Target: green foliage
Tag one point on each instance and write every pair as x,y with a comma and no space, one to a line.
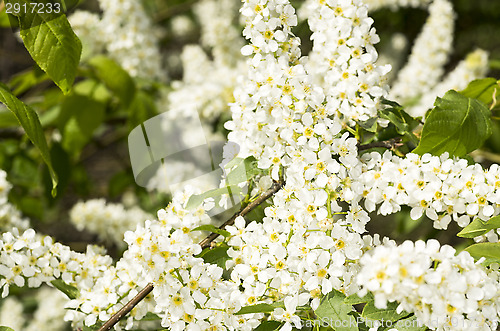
217,255
478,227
260,308
483,90
333,308
5,328
387,314
490,251
114,77
212,228
30,122
268,326
245,169
70,291
84,115
410,324
51,43
457,125
402,121
354,299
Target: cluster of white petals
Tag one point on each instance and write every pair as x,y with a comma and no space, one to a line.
291,113
126,33
429,54
445,290
442,188
108,220
474,66
30,259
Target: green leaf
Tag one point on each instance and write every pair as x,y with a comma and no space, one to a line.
482,90
141,109
70,291
196,200
30,122
114,77
354,299
401,120
212,228
84,116
478,227
457,125
217,255
51,43
490,251
409,324
5,328
388,314
243,171
269,326
332,308
7,119
259,308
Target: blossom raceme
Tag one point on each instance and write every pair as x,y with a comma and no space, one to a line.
445,291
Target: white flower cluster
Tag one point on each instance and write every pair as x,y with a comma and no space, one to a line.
342,61
87,27
108,220
218,31
11,313
442,188
50,312
445,291
127,34
28,259
207,84
104,296
429,54
473,67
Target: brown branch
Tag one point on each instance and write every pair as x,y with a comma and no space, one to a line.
277,185
391,143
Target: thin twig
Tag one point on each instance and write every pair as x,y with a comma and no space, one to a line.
277,185
127,308
391,143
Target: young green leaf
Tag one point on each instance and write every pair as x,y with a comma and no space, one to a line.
478,227
243,171
217,255
268,326
490,251
212,228
354,299
333,308
84,116
51,42
457,125
259,308
387,314
114,77
482,90
5,328
70,291
30,122
409,324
